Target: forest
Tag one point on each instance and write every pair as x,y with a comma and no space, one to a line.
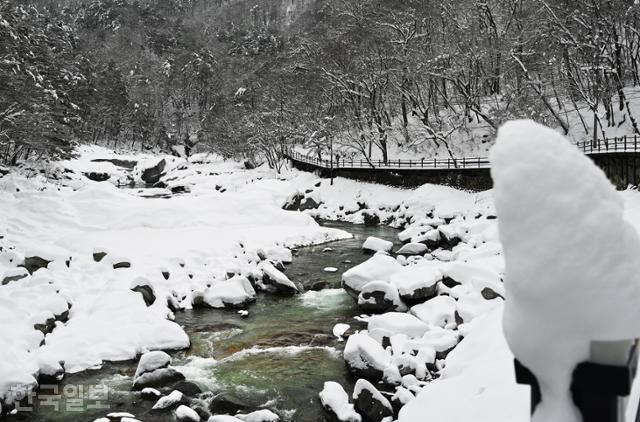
249,79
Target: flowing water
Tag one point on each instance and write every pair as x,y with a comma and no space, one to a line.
279,356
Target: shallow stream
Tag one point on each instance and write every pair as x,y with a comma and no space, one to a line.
279,356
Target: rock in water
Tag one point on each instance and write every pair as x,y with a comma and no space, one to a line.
413,249
365,357
263,415
153,174
374,244
378,267
370,402
228,404
336,401
186,414
572,271
280,281
417,283
380,296
170,401
154,371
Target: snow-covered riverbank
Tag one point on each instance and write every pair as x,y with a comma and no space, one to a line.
212,244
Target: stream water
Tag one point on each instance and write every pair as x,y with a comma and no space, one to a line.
279,356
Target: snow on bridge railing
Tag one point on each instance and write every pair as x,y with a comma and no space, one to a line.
621,144
625,143
423,164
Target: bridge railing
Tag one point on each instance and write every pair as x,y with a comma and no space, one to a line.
611,145
601,146
433,163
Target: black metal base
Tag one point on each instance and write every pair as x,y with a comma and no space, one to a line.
595,388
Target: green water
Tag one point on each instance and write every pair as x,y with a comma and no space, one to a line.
279,356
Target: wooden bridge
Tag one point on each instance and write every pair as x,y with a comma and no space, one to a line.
619,157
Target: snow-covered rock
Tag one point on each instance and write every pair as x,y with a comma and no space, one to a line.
374,244
186,414
151,361
232,293
378,267
439,311
391,323
379,297
365,357
370,402
264,415
417,283
413,249
170,401
153,371
336,401
279,280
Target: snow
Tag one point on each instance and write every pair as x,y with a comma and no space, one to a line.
439,311
263,415
235,291
585,264
378,267
278,278
169,400
196,237
363,384
397,323
185,413
334,397
376,244
479,373
414,277
340,329
151,361
363,352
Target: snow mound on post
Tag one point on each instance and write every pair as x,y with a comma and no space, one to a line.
572,270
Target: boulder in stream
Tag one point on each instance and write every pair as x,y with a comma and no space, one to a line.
336,401
369,402
374,244
380,296
154,371
277,279
153,174
186,414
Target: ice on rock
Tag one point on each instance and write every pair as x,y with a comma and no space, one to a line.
392,323
375,244
572,270
439,311
336,401
378,267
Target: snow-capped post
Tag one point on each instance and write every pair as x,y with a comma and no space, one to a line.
572,276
